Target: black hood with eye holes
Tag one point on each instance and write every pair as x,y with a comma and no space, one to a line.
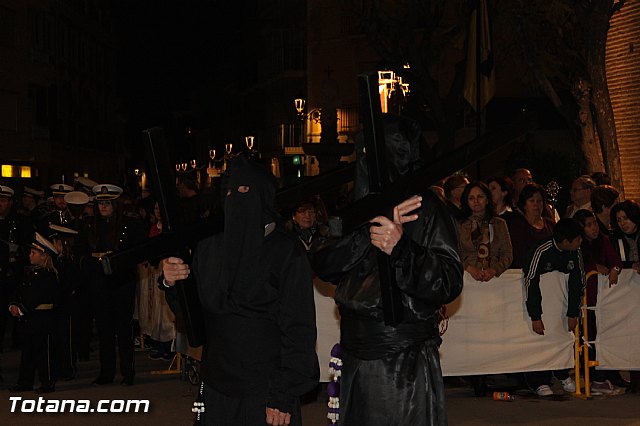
246,214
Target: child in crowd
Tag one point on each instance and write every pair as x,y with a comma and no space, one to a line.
598,255
33,306
559,253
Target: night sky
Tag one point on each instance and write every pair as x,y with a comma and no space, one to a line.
167,49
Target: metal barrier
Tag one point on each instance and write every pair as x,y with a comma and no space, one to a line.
581,346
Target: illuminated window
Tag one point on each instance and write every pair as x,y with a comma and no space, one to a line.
25,171
7,170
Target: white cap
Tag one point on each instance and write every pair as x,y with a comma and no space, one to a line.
40,243
76,197
86,183
107,191
61,230
32,192
58,189
5,191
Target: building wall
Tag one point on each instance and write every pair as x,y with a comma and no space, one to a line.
57,88
623,75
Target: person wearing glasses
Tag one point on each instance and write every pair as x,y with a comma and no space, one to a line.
580,195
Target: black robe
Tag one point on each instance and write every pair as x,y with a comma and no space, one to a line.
391,375
260,345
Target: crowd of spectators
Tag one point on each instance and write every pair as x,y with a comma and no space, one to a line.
509,222
501,224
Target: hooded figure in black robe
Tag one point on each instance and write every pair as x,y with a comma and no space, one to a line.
391,375
254,282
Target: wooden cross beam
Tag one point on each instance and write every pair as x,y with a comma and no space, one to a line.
180,235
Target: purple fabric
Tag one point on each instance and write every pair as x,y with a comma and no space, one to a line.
525,238
598,252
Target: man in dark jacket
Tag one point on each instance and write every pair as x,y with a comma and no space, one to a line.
254,282
391,375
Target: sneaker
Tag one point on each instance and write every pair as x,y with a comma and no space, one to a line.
568,385
168,356
544,390
155,355
606,388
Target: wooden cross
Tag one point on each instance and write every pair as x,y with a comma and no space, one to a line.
380,202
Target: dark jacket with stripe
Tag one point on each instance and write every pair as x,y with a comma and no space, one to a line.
548,257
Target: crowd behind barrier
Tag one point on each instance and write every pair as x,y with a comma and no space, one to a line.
489,330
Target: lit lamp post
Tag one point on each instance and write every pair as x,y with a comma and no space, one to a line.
211,170
249,141
300,103
228,148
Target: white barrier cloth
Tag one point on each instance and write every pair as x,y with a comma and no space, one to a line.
489,330
618,322
327,324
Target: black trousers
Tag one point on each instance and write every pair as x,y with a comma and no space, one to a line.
113,307
223,410
63,350
35,355
82,321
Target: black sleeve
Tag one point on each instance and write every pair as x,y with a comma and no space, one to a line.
430,270
298,372
335,258
532,273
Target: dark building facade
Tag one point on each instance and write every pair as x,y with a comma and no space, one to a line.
58,104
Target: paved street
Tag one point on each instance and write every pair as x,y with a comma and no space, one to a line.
170,402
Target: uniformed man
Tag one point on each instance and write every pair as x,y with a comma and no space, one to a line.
81,307
69,279
60,214
112,295
15,234
31,204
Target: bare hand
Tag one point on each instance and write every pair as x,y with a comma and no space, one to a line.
401,211
488,274
538,327
174,269
613,277
386,236
277,417
476,273
572,322
14,310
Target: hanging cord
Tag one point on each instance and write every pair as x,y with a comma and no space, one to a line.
333,388
443,320
198,406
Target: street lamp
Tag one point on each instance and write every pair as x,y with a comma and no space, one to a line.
249,141
300,103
